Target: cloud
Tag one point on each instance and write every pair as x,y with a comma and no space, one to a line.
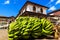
50,2
58,1
52,8
7,2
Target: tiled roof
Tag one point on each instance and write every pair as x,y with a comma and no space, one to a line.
54,11
6,17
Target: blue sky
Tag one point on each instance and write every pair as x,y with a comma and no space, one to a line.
12,7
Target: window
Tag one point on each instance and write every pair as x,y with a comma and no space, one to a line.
34,9
41,10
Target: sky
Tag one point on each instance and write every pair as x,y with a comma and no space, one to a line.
11,7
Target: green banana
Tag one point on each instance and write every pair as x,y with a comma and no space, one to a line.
10,39
25,27
45,31
25,33
48,26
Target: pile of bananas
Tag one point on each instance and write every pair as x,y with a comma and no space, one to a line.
27,27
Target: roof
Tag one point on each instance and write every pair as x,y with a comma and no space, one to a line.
54,11
35,4
32,3
6,17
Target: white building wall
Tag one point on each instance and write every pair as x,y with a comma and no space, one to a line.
4,23
38,10
30,8
44,11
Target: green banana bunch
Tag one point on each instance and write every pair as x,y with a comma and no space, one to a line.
27,27
47,27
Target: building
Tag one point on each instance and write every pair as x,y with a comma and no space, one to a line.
5,21
55,13
4,25
33,9
55,17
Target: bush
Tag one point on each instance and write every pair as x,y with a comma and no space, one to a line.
29,27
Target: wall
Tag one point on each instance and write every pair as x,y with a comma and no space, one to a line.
30,8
